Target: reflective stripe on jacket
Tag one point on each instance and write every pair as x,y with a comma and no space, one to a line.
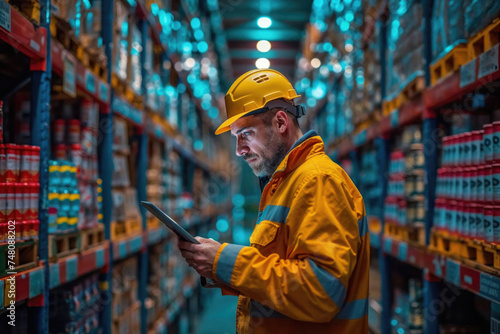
307,268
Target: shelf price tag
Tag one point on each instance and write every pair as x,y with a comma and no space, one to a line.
69,76
468,73
489,287
488,62
495,318
403,251
469,278
103,91
5,15
395,118
89,82
453,272
387,245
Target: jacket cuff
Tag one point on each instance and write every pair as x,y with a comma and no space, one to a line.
209,283
224,262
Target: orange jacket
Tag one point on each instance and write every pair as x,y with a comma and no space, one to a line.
307,268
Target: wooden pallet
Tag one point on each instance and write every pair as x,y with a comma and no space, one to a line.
25,257
30,9
484,40
91,62
62,32
412,90
485,254
416,234
125,229
449,63
152,223
396,232
125,90
64,244
92,237
446,244
389,106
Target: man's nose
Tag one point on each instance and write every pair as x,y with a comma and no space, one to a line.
241,148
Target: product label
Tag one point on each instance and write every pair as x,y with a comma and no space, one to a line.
480,187
69,78
474,152
5,15
472,183
496,186
488,147
468,73
450,220
488,228
480,226
496,145
488,62
472,225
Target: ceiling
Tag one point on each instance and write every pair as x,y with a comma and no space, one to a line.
289,19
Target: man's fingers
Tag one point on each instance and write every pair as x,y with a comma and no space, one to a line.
184,245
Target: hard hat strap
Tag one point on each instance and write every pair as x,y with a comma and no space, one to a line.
297,111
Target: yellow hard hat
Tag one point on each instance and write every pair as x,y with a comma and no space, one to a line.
253,91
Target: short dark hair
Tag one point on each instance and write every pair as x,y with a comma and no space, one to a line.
267,116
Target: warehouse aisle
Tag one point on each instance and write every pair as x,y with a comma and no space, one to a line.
220,312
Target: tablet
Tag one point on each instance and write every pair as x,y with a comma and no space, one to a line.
169,222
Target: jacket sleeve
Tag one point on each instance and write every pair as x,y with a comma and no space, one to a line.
225,290
310,284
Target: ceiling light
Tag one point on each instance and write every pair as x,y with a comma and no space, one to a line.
263,46
262,63
190,62
264,22
315,62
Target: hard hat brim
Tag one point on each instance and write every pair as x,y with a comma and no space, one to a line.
226,126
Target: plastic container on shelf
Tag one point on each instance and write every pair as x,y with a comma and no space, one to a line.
488,223
477,138
35,164
496,141
12,163
73,132
488,143
60,152
59,131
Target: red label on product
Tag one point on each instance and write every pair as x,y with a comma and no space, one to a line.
35,164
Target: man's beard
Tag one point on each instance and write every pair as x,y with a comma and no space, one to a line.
268,164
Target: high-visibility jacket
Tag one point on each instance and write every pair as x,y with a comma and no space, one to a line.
307,268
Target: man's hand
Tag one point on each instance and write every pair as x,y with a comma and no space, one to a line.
200,256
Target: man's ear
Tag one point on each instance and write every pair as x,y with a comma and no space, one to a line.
282,121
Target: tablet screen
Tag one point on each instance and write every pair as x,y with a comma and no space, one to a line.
169,222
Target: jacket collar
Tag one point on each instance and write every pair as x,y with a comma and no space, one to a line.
309,144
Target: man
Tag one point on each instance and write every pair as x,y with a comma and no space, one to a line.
306,270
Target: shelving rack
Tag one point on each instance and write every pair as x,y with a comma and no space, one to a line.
424,109
46,55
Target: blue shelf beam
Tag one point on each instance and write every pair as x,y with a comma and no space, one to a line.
40,135
106,163
142,167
